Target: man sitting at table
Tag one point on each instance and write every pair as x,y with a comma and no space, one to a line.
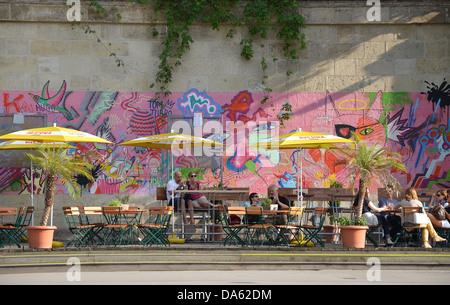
283,203
178,184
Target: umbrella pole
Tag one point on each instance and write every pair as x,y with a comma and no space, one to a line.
173,196
32,193
301,178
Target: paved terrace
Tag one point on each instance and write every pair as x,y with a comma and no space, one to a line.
213,256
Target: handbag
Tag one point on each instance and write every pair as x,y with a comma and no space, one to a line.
420,218
438,213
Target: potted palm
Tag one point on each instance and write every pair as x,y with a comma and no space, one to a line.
55,162
366,163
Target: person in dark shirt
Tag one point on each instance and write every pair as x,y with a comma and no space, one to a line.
283,202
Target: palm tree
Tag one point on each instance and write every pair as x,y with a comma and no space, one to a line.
368,163
57,162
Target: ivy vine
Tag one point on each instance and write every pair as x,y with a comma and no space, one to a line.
258,16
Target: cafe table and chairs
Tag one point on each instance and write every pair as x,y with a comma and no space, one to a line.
213,195
121,225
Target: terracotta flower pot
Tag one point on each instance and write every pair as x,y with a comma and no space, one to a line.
40,236
218,232
354,236
331,231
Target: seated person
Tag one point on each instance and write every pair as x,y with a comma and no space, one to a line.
439,198
198,200
178,184
173,185
283,203
442,223
254,202
368,211
394,221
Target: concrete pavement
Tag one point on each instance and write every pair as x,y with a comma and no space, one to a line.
213,256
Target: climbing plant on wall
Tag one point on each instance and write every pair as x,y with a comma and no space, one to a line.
259,17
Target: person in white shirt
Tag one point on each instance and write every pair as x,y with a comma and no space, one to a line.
179,184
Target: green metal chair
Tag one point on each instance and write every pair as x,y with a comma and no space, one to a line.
258,232
410,234
9,231
95,236
155,231
80,231
444,233
311,232
116,226
370,234
290,231
232,227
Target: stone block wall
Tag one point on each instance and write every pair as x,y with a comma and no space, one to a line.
345,50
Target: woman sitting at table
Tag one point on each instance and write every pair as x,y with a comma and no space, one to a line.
411,200
445,223
198,199
374,219
254,202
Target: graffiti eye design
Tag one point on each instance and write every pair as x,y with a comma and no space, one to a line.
366,131
265,127
344,130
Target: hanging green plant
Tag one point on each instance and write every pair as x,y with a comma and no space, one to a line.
258,16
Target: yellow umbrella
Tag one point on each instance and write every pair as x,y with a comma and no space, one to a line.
301,140
170,141
31,145
53,134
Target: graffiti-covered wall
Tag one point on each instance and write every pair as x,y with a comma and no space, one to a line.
414,124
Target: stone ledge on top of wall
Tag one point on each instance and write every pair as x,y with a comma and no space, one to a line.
314,11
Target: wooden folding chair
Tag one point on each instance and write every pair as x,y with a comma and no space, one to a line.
410,234
258,232
80,231
95,236
26,220
312,231
155,231
370,234
116,226
232,227
290,231
9,231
